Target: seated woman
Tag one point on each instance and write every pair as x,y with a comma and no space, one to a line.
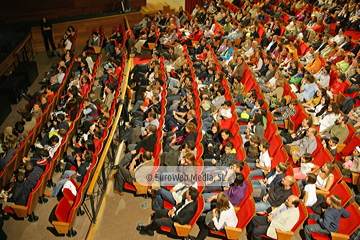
328,118
179,142
306,166
255,126
221,216
315,100
235,193
324,179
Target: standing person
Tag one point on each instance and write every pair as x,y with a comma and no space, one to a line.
46,31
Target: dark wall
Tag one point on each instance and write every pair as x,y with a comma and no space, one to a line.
32,10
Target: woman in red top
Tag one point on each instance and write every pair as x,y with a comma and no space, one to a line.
84,85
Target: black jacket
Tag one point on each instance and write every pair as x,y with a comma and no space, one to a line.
187,213
147,143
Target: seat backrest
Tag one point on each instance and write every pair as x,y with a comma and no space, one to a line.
33,198
349,148
342,190
322,157
235,129
240,154
248,193
62,210
351,132
275,144
348,225
319,146
246,170
296,189
199,210
302,217
270,131
337,176
280,156
74,210
246,213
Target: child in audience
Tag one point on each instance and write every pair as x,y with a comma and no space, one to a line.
310,190
339,86
306,167
348,162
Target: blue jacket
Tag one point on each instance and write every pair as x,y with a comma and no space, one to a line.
331,218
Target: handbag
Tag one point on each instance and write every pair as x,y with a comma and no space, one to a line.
209,220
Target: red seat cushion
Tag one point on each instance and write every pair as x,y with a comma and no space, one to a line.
129,187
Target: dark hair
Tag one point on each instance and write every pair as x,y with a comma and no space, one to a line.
54,139
229,145
228,103
335,140
239,179
258,119
260,101
193,192
90,145
239,164
44,153
190,145
147,155
345,118
88,156
296,203
265,144
27,116
61,116
98,134
311,178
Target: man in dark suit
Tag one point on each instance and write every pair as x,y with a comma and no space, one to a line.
319,47
182,213
346,45
148,142
272,45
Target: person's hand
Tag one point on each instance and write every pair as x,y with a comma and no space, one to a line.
133,152
54,122
214,212
293,152
265,198
213,162
257,165
209,199
172,190
270,218
74,175
171,212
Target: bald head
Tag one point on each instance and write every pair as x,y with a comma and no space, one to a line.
292,201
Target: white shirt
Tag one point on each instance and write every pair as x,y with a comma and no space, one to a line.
306,167
60,77
223,112
68,44
311,189
322,79
265,160
328,121
249,52
208,33
322,182
227,218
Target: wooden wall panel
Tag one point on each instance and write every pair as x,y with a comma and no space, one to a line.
25,10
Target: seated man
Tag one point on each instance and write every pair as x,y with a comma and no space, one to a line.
182,213
283,113
308,144
174,195
276,195
283,218
94,41
339,130
148,143
331,145
41,160
137,172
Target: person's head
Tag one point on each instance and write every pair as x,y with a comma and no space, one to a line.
307,122
306,158
190,146
27,117
334,108
29,167
292,201
311,178
333,141
54,140
311,132
282,167
190,158
151,128
237,166
225,134
264,146
222,202
191,194
239,179
215,128
288,181
190,127
334,201
293,104
229,146
255,140
328,168
98,135
146,156
60,117
11,142
44,153
87,156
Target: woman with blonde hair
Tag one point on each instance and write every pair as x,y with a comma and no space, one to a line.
221,216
